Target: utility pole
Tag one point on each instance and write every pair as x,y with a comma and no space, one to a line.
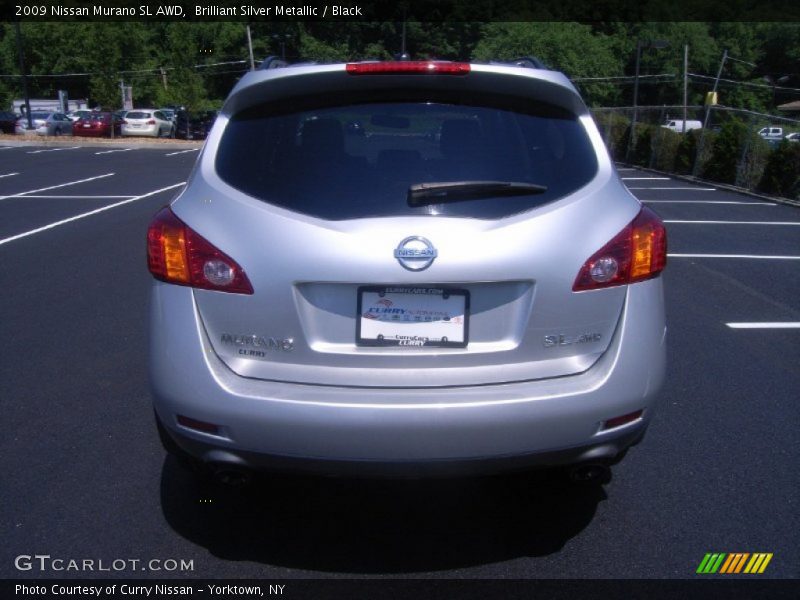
632,139
639,45
250,49
403,42
21,54
163,76
685,85
708,113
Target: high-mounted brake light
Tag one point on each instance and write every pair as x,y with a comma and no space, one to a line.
177,254
636,253
408,67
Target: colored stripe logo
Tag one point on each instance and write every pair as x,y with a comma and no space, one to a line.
735,562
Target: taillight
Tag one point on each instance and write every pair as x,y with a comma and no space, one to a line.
151,122
408,67
177,254
124,122
621,420
198,425
636,253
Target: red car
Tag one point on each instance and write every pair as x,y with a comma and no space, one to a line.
98,124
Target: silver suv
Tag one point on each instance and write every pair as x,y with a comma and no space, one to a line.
405,267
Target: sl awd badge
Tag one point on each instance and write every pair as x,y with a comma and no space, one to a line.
415,253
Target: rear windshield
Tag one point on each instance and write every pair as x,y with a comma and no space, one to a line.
359,160
137,115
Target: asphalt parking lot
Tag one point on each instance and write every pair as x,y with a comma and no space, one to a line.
84,476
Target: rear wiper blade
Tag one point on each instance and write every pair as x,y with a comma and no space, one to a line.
421,194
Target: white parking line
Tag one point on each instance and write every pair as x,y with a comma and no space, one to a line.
110,151
9,175
81,197
182,152
753,256
90,213
53,150
52,187
795,223
645,179
776,325
693,189
625,169
8,147
707,202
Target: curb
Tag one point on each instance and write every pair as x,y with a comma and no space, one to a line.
106,143
722,186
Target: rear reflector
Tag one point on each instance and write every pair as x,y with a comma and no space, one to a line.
636,253
408,67
617,421
177,254
198,425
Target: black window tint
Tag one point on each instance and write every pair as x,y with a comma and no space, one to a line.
358,160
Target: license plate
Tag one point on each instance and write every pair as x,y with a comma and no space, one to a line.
412,317
86,125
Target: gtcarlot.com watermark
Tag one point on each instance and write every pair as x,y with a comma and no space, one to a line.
40,563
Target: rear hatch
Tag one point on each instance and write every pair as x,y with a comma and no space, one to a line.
305,182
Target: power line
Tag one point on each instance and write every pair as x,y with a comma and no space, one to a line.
746,83
630,77
156,70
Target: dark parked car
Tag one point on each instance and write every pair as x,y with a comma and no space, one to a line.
194,125
97,124
8,121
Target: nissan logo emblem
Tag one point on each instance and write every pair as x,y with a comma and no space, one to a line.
415,253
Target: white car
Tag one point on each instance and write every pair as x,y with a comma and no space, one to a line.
147,122
792,137
46,123
771,133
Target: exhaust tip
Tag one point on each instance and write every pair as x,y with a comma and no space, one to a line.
231,476
590,474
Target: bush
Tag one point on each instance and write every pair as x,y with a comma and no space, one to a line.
685,152
725,153
644,145
750,171
665,148
782,172
614,128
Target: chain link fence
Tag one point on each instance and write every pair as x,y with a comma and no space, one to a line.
737,147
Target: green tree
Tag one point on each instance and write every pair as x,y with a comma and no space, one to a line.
569,47
782,173
725,153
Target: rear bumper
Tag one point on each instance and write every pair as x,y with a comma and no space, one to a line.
275,425
147,132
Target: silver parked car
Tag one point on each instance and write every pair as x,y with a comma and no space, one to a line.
147,122
46,123
465,286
